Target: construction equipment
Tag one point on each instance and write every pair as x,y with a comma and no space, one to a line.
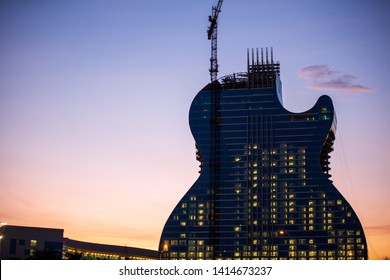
212,35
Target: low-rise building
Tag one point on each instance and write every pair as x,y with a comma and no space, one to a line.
21,242
95,251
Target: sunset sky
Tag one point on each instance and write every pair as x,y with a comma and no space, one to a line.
95,94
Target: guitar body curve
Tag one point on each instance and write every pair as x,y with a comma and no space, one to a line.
264,191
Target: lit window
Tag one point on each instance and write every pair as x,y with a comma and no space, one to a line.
33,243
183,224
350,240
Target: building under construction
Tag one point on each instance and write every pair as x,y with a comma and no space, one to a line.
264,190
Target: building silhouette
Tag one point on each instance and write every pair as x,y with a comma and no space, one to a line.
264,190
25,242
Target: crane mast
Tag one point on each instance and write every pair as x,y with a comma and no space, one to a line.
212,35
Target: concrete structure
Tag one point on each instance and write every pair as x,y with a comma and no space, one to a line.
95,251
21,242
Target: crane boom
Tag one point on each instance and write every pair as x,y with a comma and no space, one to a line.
212,35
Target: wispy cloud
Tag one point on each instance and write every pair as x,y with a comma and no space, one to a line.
378,229
322,77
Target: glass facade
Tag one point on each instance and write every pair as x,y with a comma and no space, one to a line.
264,190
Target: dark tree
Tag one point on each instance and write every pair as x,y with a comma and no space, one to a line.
46,254
73,255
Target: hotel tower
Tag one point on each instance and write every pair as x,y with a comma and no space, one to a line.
265,189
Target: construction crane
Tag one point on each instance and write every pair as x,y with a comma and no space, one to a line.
212,35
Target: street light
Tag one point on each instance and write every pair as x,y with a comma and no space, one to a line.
165,249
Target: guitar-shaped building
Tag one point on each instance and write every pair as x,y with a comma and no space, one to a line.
264,190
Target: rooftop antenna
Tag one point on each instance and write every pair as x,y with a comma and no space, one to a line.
212,35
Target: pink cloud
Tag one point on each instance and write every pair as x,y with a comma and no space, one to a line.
315,72
324,78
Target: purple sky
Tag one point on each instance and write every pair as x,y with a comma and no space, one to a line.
94,100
